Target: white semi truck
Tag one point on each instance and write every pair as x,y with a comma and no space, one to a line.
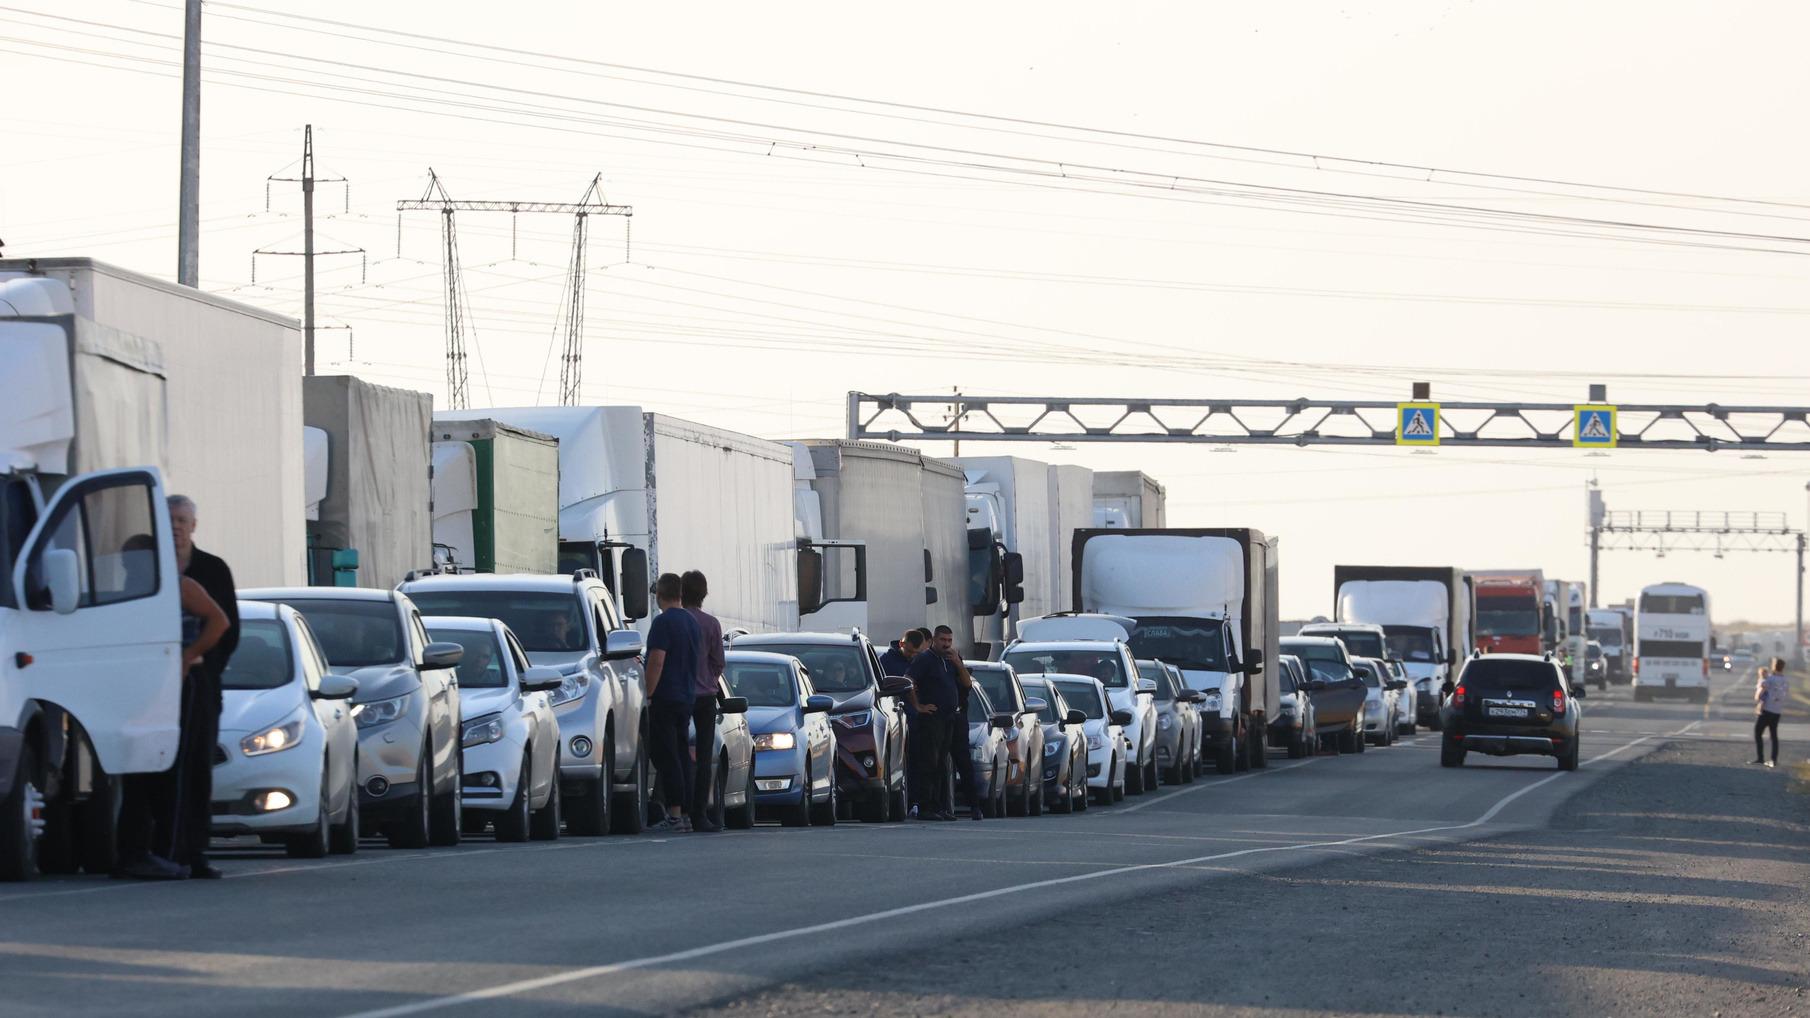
1022,517
1128,499
1427,617
115,381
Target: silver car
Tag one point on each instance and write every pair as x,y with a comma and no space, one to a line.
407,706
1178,742
732,789
570,623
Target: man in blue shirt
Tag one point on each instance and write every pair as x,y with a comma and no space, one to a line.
898,656
933,727
674,645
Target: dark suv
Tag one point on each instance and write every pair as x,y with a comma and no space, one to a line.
1511,704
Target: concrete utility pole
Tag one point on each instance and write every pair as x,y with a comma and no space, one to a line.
188,220
308,249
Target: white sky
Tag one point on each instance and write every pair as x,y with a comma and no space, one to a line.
768,280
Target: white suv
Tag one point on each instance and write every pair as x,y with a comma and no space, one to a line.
1095,645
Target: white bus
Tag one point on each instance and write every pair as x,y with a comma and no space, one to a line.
1672,642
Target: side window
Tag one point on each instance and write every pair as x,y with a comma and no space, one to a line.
515,651
804,682
600,618
314,663
607,619
112,528
418,635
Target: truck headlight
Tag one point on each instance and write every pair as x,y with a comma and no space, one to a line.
274,739
481,731
381,712
572,687
774,740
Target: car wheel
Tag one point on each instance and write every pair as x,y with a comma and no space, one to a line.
799,815
1359,743
897,807
591,813
629,809
742,817
718,807
1450,753
343,839
448,807
21,817
313,844
512,823
411,831
827,812
544,826
1035,806
1568,759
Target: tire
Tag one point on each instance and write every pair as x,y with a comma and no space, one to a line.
1568,760
1358,742
1118,790
97,826
591,814
1035,806
313,844
717,809
742,817
342,838
411,831
1450,754
799,815
18,838
1134,779
447,809
877,808
1436,723
629,809
827,812
512,823
544,825
1225,755
897,805
1020,805
1298,745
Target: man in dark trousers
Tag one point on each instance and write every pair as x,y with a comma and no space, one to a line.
693,588
673,648
194,784
935,700
959,755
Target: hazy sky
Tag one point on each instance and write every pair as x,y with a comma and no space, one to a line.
789,247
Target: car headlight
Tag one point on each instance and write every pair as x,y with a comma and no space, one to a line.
1210,701
858,719
1096,742
381,712
572,686
1164,721
1052,748
775,740
480,731
274,739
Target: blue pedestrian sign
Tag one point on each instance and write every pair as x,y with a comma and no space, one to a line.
1593,426
1417,424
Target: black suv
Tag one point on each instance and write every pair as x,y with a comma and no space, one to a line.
1508,705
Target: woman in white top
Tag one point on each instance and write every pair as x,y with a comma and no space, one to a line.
1769,703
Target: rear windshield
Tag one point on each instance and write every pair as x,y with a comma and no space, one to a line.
1672,604
1535,676
997,686
1357,644
482,665
1104,665
1083,698
354,634
262,660
544,621
1671,648
764,685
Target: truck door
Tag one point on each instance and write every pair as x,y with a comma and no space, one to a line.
99,627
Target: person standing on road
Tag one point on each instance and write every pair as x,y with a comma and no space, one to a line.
693,588
673,648
934,700
960,756
1769,702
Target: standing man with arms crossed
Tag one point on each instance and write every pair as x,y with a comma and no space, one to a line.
693,588
201,696
673,648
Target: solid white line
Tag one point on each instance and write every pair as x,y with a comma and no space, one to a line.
742,943
1166,796
1687,728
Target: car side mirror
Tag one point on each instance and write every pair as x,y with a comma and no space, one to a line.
541,680
818,704
1253,661
1075,717
1313,685
63,578
732,705
622,645
896,685
1036,705
1146,685
1397,684
1191,696
1121,718
1580,693
440,656
1003,721
335,687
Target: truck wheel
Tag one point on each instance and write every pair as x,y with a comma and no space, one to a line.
1225,756
21,820
631,806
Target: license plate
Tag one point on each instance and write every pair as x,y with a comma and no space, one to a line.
1508,712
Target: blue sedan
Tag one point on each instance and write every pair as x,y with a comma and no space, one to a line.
794,745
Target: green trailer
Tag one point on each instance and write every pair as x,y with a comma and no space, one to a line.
496,497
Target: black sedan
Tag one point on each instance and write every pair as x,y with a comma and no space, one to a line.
1509,705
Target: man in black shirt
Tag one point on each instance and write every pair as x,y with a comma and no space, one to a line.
959,755
932,727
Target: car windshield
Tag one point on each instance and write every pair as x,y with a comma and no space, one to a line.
1191,644
834,668
1084,698
482,665
1506,617
1604,636
998,687
1359,643
1104,665
765,685
262,660
354,634
544,621
1410,643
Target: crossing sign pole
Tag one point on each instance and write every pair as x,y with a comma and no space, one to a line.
1417,424
1593,426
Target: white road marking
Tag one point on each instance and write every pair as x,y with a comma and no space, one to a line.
1166,796
591,972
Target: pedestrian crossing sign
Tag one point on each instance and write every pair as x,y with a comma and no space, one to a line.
1417,424
1593,427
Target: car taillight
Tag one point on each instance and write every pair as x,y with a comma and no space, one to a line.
1458,697
1558,701
1637,667
1706,668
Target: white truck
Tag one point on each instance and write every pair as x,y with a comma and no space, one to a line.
1427,617
1030,510
643,493
1612,629
1205,600
375,464
907,510
1128,499
114,379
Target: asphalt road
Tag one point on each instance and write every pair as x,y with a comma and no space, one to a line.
1338,884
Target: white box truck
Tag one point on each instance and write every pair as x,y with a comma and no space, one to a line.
1205,600
1128,499
375,504
1427,617
1022,516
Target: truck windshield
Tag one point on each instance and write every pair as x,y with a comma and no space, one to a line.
1507,617
1084,698
834,668
1196,645
544,621
262,659
1101,664
1609,638
354,634
1410,643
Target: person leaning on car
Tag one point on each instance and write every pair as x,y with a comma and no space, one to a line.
935,699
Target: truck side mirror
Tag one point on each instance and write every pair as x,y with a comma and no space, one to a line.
929,567
810,581
930,595
634,583
63,579
1451,658
1253,661
1013,590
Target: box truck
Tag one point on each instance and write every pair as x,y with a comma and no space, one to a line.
1205,600
502,496
1513,614
1128,499
1610,629
1426,614
375,502
1022,516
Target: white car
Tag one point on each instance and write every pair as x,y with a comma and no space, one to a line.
286,766
1380,700
509,736
1407,707
1091,644
1105,728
